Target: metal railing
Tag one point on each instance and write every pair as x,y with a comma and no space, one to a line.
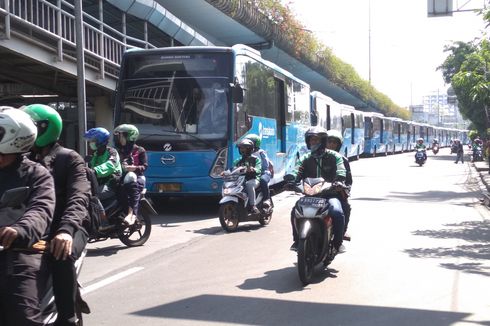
51,25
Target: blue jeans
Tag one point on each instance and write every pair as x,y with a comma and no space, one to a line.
264,185
337,214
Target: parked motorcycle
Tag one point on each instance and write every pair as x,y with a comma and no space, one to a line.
477,154
234,202
314,226
131,235
420,157
11,209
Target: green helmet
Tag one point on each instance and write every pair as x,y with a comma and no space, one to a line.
255,138
49,123
131,131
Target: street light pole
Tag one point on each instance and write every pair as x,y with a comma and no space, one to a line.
82,110
369,38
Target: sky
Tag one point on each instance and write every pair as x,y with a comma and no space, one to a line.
406,45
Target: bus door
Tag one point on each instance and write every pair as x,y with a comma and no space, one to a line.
280,115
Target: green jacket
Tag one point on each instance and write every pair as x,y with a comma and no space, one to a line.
251,161
330,166
106,166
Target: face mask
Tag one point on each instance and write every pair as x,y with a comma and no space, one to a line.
93,146
315,147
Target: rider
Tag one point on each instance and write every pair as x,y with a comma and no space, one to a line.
421,146
252,163
68,236
104,162
328,164
334,142
476,146
266,167
22,273
134,163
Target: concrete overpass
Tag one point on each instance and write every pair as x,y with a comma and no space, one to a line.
38,48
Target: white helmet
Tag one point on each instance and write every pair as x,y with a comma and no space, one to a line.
17,131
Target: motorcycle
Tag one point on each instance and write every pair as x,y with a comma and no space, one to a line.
11,204
477,154
314,226
435,148
234,202
420,157
132,235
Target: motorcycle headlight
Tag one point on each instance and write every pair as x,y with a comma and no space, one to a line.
311,191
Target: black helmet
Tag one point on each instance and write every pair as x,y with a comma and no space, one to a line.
246,147
318,132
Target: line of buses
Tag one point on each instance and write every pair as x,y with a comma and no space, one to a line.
193,104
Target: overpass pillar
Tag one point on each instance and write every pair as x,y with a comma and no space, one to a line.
103,113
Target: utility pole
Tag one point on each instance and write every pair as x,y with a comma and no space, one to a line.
369,38
82,110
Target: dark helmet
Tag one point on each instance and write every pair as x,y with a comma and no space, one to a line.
49,123
245,147
255,139
318,132
98,135
335,134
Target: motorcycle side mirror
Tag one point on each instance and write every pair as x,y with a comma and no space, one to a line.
289,178
14,197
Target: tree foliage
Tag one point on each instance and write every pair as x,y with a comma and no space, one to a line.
467,68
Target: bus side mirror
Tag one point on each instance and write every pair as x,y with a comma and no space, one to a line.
237,93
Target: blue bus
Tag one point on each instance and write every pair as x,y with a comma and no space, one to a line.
346,119
192,105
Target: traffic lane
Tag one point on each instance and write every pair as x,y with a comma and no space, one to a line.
179,221
249,277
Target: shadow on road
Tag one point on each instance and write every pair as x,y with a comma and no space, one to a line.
477,250
286,280
260,311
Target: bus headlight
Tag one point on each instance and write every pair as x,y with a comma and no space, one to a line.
219,164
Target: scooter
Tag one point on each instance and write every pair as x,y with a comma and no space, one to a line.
11,209
314,226
234,202
435,148
477,154
420,157
131,235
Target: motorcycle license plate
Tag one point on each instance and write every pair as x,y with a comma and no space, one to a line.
313,202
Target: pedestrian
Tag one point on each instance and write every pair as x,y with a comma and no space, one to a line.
459,151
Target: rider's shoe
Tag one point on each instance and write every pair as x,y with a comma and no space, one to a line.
254,210
294,246
130,219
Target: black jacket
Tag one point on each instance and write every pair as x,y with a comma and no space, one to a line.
72,189
36,219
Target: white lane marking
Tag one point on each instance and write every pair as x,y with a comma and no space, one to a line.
110,280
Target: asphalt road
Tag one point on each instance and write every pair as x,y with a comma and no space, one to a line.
419,255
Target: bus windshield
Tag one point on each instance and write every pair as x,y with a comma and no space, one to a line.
176,95
179,105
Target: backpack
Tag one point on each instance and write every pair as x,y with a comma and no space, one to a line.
95,208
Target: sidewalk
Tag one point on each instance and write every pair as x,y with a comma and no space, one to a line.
483,171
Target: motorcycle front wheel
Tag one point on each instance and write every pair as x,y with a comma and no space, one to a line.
138,233
306,259
229,216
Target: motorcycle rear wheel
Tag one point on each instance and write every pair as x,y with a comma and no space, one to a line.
229,216
306,259
138,233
